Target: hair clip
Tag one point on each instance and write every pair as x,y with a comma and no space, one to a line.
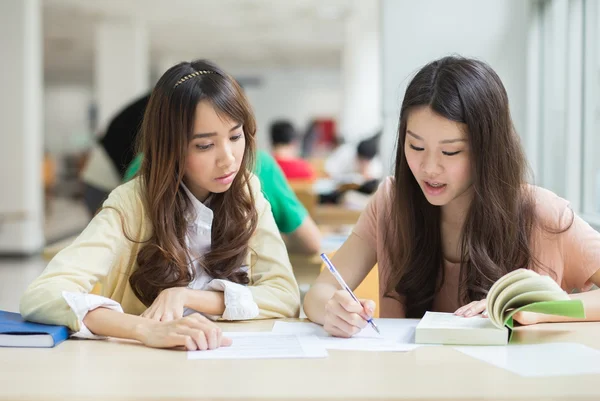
192,75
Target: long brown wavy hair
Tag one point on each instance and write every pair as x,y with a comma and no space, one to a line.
496,233
164,260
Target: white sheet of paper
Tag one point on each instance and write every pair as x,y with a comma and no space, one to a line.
396,335
264,345
538,360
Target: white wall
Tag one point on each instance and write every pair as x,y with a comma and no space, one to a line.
416,32
66,114
295,94
21,212
361,73
121,65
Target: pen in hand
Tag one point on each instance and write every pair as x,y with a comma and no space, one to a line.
341,281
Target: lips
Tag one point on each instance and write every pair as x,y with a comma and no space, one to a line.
433,188
434,184
224,177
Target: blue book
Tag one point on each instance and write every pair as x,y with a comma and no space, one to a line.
16,332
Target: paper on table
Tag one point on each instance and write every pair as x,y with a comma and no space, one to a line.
538,360
264,345
396,335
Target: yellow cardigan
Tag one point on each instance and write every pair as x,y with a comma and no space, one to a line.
102,259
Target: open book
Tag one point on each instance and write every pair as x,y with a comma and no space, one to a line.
520,290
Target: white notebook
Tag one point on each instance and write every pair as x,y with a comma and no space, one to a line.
519,290
447,328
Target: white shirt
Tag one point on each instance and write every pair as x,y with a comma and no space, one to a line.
99,171
239,303
342,165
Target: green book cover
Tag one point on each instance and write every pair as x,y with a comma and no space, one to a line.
569,308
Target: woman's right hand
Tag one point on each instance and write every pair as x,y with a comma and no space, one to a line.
194,332
344,317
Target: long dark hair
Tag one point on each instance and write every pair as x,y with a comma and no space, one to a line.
496,233
163,261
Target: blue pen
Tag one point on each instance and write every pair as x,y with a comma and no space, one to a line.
340,280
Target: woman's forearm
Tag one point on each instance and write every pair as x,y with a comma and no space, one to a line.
110,323
209,302
591,305
316,299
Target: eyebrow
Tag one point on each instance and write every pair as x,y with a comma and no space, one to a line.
444,141
209,134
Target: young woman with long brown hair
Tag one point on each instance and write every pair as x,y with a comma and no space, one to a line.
192,233
458,213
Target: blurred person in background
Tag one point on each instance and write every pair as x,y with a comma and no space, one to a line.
49,174
355,172
286,148
356,163
110,156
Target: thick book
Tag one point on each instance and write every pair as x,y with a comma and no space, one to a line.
521,290
16,332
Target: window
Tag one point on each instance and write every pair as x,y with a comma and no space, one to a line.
563,135
591,112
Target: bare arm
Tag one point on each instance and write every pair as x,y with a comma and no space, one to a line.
210,302
110,323
171,302
305,239
581,250
591,305
581,254
590,299
354,260
194,332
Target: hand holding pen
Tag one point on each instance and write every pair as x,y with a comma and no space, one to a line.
345,314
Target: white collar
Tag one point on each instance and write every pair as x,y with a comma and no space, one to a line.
200,213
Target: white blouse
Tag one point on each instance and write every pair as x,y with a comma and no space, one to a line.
239,303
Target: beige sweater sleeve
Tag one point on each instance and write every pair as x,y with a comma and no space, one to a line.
101,247
272,282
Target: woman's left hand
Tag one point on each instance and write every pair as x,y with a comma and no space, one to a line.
476,307
471,309
168,305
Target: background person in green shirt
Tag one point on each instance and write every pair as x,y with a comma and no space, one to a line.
299,230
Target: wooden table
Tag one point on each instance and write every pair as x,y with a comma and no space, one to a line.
335,215
118,370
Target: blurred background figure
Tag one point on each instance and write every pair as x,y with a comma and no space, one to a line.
112,154
285,146
354,172
356,163
49,174
320,138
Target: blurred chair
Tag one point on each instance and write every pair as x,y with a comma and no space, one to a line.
306,195
318,164
49,174
334,215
